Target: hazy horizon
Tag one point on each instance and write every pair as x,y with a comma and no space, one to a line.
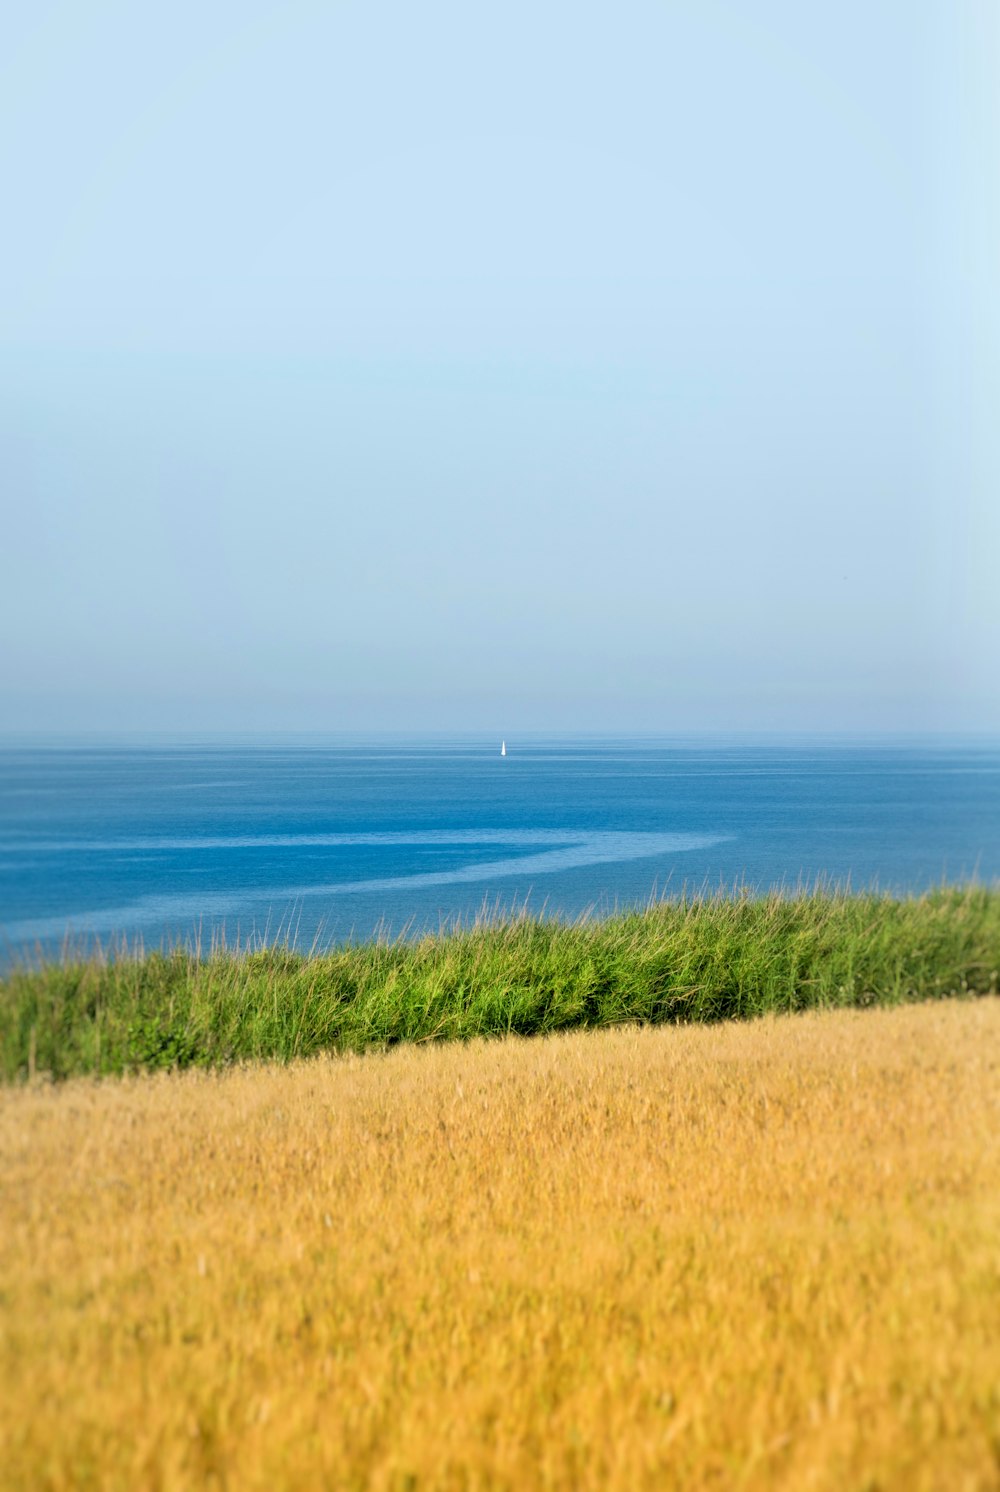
369,369
489,741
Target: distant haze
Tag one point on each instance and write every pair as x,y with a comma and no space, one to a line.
527,366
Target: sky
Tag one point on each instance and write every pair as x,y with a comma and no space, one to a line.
453,367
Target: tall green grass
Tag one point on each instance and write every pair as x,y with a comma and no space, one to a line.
696,959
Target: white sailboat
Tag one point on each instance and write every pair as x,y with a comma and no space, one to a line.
503,748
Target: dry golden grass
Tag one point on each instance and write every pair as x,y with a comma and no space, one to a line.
758,1256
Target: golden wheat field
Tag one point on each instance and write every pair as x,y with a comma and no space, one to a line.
763,1255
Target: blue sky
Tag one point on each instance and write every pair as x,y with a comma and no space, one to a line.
382,366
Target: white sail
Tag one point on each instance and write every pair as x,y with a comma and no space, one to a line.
503,748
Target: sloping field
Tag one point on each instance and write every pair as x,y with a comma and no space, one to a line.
705,958
761,1255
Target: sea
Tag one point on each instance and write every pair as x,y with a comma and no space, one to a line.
317,842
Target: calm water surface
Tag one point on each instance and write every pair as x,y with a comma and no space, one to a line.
335,841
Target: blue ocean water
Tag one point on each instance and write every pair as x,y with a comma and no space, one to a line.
327,842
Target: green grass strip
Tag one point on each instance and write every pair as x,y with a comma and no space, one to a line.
694,959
